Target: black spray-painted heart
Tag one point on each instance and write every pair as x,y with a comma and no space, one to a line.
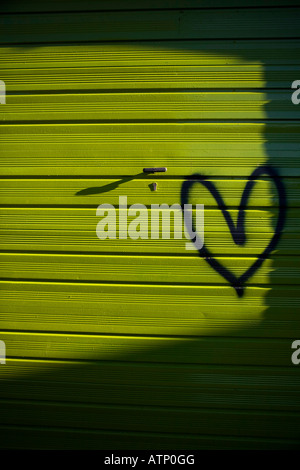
238,231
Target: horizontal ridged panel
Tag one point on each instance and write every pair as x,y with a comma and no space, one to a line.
60,219
243,423
241,53
159,106
142,269
187,133
93,192
189,376
76,5
63,229
125,149
132,25
205,350
27,437
156,385
166,77
148,395
260,221
220,244
137,309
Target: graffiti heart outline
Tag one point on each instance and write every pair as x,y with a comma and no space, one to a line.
238,231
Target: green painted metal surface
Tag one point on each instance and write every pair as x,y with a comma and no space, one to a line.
138,344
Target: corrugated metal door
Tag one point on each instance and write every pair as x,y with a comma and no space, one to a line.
124,343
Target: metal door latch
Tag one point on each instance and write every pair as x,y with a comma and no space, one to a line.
155,170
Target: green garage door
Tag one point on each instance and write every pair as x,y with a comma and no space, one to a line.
141,343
